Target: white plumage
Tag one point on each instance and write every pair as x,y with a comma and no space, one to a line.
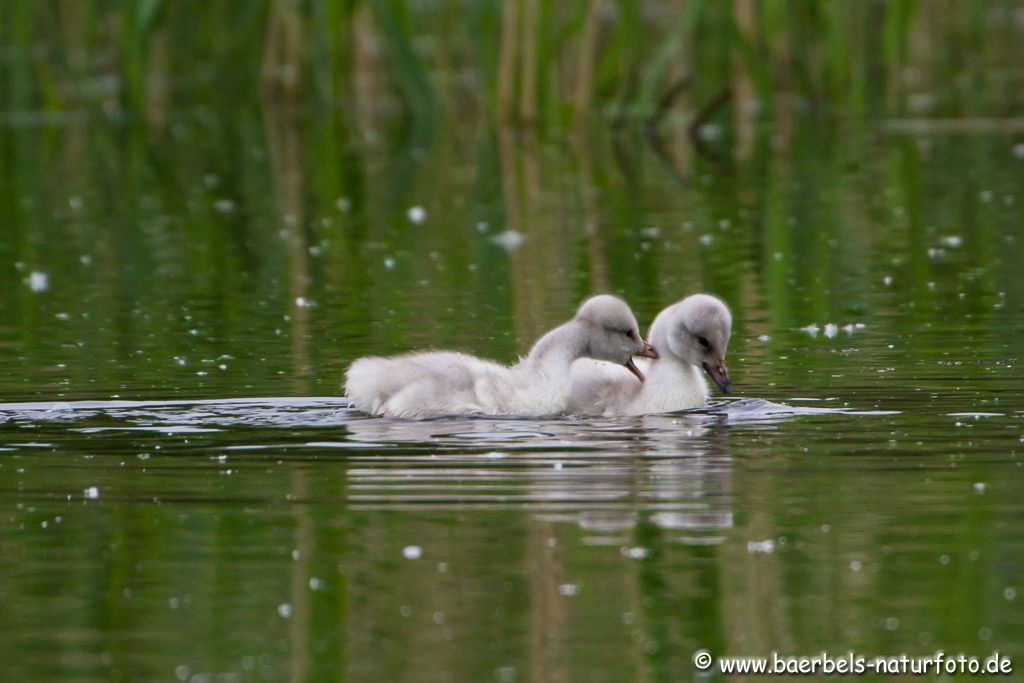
426,384
690,335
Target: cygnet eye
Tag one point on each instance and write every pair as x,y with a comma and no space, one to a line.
629,333
704,342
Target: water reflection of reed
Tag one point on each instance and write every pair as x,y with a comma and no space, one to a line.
354,65
625,489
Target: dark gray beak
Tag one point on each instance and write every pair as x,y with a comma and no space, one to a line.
720,374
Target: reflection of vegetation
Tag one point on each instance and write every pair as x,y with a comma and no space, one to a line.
217,171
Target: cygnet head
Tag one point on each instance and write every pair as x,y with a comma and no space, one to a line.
612,333
696,331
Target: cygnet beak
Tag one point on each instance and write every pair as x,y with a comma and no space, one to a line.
647,351
631,366
720,374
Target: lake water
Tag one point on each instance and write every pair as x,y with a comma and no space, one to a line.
184,494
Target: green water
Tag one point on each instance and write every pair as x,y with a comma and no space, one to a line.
184,494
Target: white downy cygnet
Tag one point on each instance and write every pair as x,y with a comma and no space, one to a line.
689,335
419,385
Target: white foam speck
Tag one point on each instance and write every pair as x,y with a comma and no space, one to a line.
830,330
707,239
416,214
412,552
1010,593
389,263
85,260
979,487
811,329
887,280
710,132
651,232
509,240
635,553
315,584
93,492
38,281
224,206
303,302
284,610
569,590
766,546
952,241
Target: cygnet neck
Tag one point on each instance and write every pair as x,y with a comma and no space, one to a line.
554,353
658,336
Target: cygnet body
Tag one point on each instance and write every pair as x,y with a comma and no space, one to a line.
427,384
690,335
